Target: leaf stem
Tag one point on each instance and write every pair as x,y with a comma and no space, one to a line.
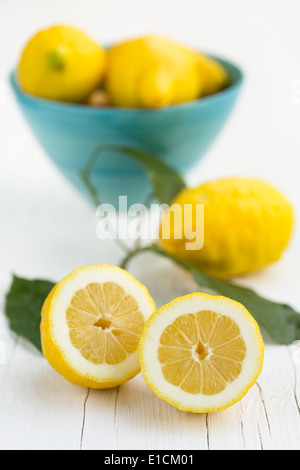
132,254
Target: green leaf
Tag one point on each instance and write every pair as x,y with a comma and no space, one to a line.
281,321
23,307
166,182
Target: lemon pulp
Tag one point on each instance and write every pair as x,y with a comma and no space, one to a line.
104,322
202,352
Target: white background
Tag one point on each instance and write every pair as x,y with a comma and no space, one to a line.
47,229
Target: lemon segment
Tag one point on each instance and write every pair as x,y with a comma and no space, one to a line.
201,353
91,325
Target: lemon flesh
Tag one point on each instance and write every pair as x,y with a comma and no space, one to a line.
105,323
91,326
61,63
201,353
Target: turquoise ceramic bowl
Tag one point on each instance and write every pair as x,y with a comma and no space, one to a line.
180,135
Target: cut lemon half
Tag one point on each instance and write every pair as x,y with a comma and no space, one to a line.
91,326
201,353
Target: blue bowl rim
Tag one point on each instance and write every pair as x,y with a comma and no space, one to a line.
85,109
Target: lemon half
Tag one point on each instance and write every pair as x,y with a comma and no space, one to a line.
91,326
201,353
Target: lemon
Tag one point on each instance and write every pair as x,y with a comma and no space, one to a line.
91,326
61,63
152,71
213,75
201,353
247,225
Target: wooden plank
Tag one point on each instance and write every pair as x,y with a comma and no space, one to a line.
278,384
39,410
225,429
100,431
133,417
294,353
154,423
254,422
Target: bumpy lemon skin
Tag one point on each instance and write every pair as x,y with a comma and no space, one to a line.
61,63
247,225
152,72
55,355
160,393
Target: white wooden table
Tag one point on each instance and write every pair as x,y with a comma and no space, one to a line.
47,230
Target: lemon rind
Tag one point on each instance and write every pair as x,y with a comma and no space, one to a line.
167,391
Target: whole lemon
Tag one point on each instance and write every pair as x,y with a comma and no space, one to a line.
61,63
247,225
152,72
